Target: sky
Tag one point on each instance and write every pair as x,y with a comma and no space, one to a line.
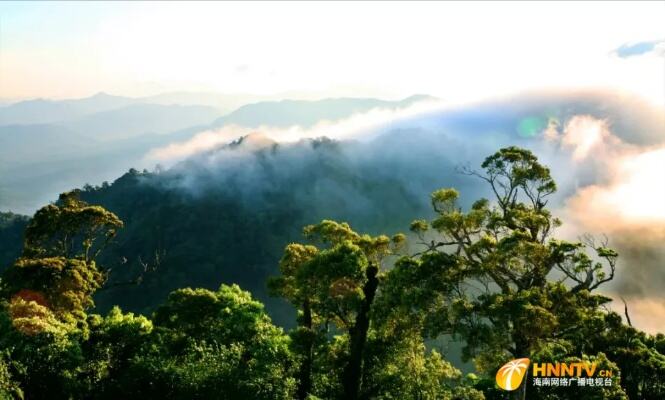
456,51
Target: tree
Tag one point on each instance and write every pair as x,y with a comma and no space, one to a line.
57,268
45,353
46,294
209,344
493,276
109,350
71,229
8,388
498,279
64,286
335,285
640,357
343,347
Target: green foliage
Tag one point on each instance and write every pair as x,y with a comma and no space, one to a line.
56,275
403,368
492,276
227,315
212,345
45,363
70,229
113,342
228,349
32,318
64,286
491,269
639,357
346,300
46,293
8,388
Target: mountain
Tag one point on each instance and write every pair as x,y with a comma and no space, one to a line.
225,215
21,144
307,113
201,224
97,138
37,161
141,119
41,111
223,102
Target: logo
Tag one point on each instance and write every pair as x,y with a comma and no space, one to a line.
581,374
510,376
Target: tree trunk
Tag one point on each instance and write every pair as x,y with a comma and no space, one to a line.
305,372
352,374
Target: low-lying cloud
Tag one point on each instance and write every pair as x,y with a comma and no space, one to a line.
608,157
348,128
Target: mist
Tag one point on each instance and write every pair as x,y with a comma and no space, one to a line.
377,169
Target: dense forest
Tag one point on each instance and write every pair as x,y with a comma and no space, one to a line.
488,272
200,225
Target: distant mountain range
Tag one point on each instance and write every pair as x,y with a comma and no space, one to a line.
140,119
286,113
41,111
48,146
201,219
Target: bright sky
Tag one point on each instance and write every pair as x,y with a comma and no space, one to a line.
451,50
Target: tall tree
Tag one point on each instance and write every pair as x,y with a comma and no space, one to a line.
71,228
57,269
345,347
336,284
46,293
501,281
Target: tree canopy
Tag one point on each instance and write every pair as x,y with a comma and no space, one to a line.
370,309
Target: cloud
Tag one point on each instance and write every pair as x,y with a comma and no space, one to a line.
605,151
354,126
628,50
629,193
625,202
585,134
635,196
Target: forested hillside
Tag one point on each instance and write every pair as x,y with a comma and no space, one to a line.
332,200
192,226
49,146
11,236
201,221
493,275
227,215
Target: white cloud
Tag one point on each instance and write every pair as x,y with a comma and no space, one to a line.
586,136
634,195
625,202
355,126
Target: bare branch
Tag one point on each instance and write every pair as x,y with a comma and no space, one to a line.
625,310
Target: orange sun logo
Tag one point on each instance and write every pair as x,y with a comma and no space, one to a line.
510,376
